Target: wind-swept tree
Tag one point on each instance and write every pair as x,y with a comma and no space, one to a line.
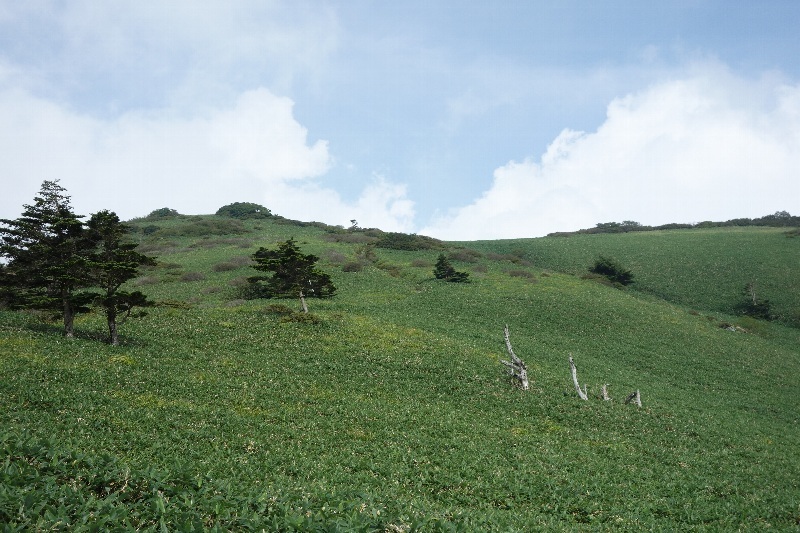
444,270
612,270
113,262
45,251
294,274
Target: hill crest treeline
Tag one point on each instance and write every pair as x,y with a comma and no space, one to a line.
779,219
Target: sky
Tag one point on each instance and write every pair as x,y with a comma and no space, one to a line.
460,120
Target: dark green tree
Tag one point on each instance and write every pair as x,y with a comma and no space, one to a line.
612,270
444,270
294,274
113,262
753,305
45,252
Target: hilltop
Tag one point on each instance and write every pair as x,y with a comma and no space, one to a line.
387,407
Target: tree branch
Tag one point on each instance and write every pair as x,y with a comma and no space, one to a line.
516,366
634,397
581,393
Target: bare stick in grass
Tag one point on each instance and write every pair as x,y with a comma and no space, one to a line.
516,366
634,397
581,393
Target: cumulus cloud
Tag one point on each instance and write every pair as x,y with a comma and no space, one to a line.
705,146
253,150
381,204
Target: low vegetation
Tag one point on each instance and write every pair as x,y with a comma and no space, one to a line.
387,408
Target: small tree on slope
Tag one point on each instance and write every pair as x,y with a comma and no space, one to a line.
444,270
46,250
112,263
294,274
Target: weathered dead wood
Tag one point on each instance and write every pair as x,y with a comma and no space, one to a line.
634,397
516,366
606,397
582,394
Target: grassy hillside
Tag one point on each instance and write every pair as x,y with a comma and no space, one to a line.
389,410
699,268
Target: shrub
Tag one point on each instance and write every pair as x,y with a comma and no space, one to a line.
612,270
421,263
465,255
353,266
193,276
164,212
244,210
522,274
203,227
351,238
224,267
408,242
335,256
239,282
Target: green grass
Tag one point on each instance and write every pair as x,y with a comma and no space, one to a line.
392,412
706,269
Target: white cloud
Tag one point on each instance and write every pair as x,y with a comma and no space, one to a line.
252,151
707,146
382,204
113,56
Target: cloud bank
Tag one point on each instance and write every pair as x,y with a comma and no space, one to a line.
705,146
253,150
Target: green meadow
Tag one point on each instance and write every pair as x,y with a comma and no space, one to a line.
387,408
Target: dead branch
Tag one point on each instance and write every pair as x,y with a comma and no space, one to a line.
581,393
634,397
606,397
516,366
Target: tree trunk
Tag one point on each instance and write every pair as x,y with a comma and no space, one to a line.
516,367
606,397
634,397
303,302
581,393
113,336
69,317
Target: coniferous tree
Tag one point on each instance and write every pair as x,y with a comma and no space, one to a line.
113,262
444,270
46,250
612,270
294,274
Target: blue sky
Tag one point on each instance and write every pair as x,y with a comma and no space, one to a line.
461,120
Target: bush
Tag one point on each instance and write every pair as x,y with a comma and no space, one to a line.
224,267
612,270
408,242
421,263
203,227
465,255
350,238
335,256
244,210
522,274
164,212
353,266
193,276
